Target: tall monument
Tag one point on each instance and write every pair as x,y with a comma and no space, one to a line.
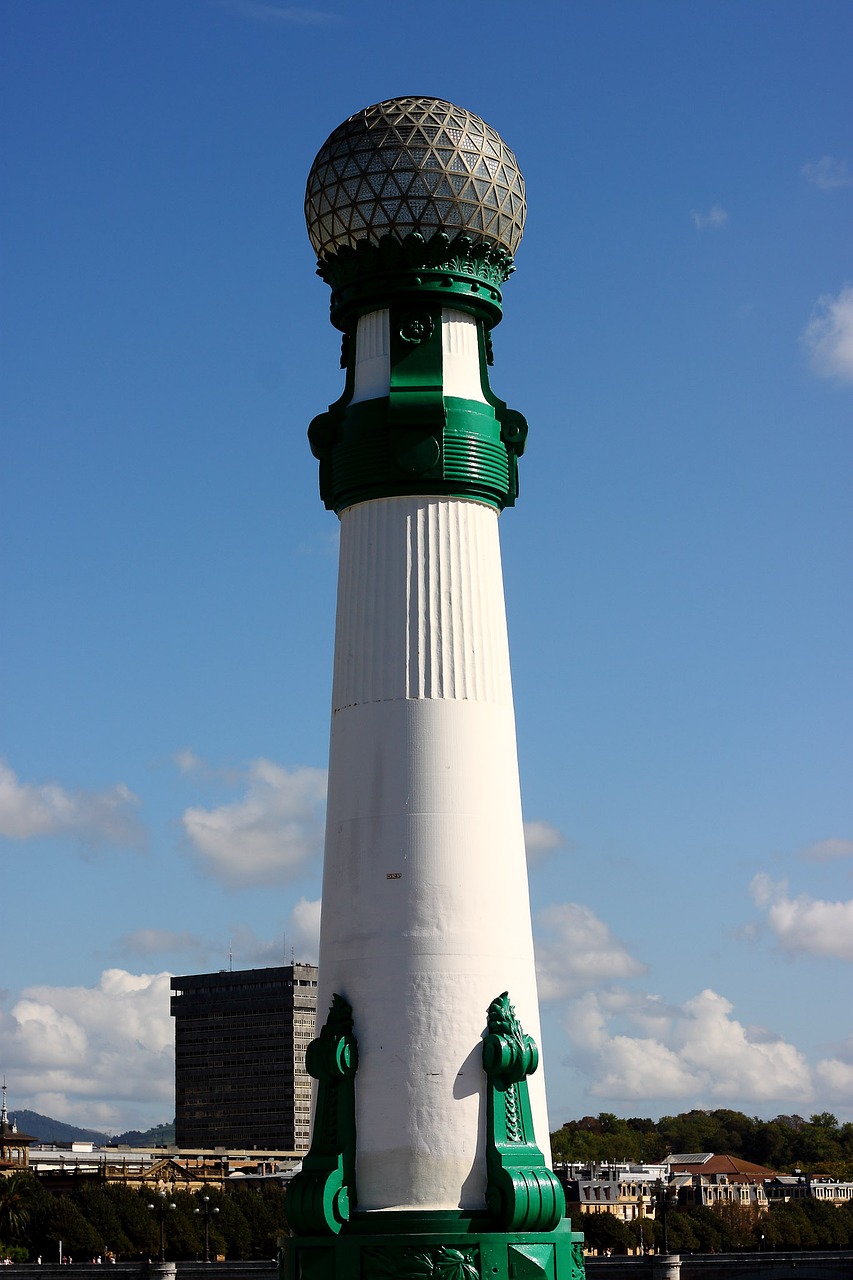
430,1130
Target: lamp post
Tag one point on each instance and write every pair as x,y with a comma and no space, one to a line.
430,1127
207,1211
641,1211
663,1204
162,1208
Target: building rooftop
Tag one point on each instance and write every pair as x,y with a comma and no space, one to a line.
709,1165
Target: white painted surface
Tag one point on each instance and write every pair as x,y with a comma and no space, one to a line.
372,374
460,356
425,903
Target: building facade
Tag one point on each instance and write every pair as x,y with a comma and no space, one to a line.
240,1041
14,1146
703,1178
809,1186
628,1191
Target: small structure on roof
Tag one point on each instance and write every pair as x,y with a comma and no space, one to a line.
14,1146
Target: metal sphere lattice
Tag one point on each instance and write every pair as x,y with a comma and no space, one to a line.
414,164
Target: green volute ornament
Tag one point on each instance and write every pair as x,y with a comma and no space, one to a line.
521,1232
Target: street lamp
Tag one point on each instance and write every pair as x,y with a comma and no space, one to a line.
662,1206
162,1208
207,1211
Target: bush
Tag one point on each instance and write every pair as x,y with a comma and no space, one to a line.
603,1231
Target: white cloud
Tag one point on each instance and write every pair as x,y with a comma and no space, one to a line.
715,218
299,938
737,1061
828,336
643,1068
187,760
29,810
630,1045
827,850
153,942
835,1081
239,945
805,924
835,1076
101,1056
268,837
575,951
304,932
541,838
697,1050
189,763
828,173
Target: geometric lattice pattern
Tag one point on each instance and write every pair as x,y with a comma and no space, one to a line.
414,164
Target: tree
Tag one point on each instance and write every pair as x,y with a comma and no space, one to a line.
17,1197
232,1232
603,1231
650,1144
738,1223
709,1230
642,1232
789,1142
185,1238
772,1144
787,1227
62,1224
681,1237
100,1207
830,1226
137,1221
263,1208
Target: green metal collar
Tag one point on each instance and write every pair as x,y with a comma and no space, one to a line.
458,272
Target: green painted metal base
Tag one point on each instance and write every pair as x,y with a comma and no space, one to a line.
433,1246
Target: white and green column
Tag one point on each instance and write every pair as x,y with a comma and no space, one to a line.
430,1127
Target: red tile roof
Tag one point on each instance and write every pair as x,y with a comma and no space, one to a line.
731,1166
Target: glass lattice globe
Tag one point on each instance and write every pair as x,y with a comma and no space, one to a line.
414,164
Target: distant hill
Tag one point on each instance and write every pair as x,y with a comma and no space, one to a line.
45,1129
161,1135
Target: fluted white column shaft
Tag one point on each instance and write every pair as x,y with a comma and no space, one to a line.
425,914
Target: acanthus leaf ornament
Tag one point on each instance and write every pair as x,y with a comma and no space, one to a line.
522,1193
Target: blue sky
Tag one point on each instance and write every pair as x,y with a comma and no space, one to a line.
679,333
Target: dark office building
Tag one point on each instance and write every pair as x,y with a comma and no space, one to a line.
240,1040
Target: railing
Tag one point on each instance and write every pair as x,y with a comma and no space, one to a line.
816,1265
831,1265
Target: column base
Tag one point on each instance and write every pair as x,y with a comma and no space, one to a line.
433,1246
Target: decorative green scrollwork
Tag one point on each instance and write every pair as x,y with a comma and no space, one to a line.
406,1263
441,271
322,1195
462,256
522,1193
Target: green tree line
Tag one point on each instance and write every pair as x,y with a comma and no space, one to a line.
819,1144
726,1228
101,1220
98,1220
